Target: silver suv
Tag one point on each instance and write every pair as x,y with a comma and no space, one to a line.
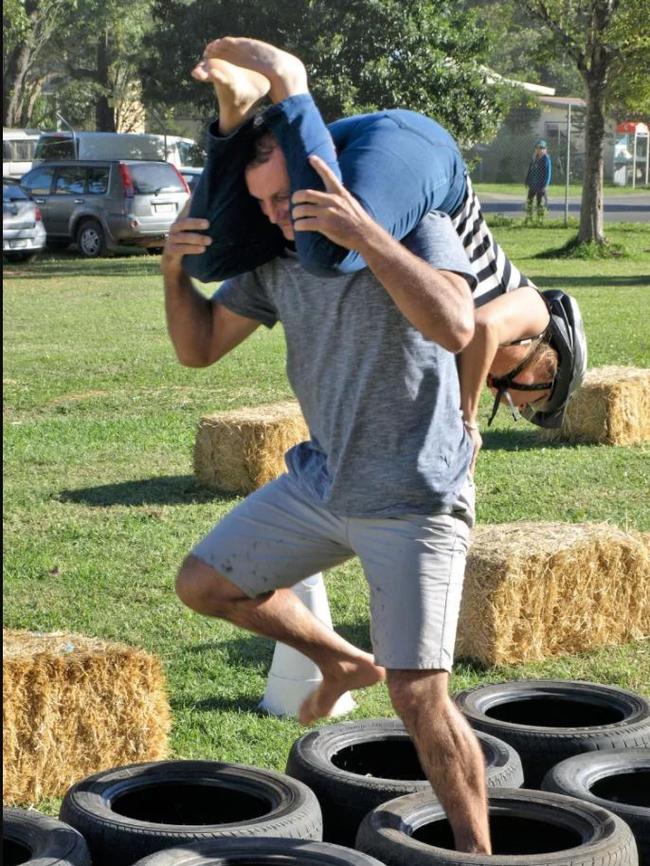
106,204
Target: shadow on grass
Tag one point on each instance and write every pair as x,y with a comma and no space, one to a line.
162,490
600,281
218,705
518,440
71,264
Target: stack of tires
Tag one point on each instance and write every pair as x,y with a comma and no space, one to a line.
354,793
585,752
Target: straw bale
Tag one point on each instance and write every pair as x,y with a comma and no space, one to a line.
73,705
534,590
240,450
611,407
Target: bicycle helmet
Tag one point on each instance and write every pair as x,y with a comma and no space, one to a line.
566,334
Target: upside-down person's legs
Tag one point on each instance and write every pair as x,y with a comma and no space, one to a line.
281,616
238,90
449,752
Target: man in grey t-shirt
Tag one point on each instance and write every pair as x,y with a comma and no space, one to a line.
384,476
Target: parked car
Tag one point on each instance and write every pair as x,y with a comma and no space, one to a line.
18,148
23,232
107,204
191,176
61,145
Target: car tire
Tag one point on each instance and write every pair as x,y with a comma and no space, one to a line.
289,852
528,828
618,780
546,721
30,837
129,812
352,767
91,239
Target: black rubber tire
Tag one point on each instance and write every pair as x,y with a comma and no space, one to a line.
547,721
91,239
30,837
529,828
259,852
598,778
347,766
223,800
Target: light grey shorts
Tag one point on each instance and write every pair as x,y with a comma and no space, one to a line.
414,564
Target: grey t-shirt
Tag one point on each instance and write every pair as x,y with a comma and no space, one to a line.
381,401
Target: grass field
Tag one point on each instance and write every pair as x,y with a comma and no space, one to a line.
101,504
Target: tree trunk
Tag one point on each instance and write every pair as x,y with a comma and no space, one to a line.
104,113
591,209
16,86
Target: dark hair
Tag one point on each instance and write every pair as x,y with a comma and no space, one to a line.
261,145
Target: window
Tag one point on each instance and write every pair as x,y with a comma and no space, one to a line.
39,181
55,147
12,192
98,180
155,177
6,150
69,180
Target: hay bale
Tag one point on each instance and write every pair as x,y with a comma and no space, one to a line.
611,407
73,705
534,590
240,450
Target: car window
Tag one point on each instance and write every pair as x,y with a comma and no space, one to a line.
98,180
38,181
69,180
55,148
12,192
155,177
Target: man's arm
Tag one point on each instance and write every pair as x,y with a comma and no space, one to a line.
201,330
436,302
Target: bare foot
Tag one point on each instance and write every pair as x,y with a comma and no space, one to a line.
351,675
286,73
238,90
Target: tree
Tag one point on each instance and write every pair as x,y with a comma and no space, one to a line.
608,41
361,55
100,51
29,28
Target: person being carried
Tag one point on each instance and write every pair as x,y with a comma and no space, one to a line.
384,476
538,178
399,165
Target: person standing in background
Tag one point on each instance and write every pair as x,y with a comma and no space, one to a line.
538,178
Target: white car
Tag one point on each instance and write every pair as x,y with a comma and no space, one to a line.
23,232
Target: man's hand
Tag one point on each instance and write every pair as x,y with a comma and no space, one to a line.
184,239
334,213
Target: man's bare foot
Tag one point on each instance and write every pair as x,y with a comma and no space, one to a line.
286,73
351,675
238,90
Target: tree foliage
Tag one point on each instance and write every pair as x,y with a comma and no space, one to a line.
607,41
361,55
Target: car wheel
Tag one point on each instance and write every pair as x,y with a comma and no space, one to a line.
353,767
546,721
260,852
528,828
618,780
91,239
30,837
129,812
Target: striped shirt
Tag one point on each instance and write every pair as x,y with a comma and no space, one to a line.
495,272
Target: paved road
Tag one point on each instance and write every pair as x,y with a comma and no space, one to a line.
633,207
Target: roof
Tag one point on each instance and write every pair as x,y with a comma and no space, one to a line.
573,101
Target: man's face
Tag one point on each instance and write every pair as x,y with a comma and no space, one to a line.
269,184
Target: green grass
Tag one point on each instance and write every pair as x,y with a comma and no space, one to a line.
555,190
101,504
